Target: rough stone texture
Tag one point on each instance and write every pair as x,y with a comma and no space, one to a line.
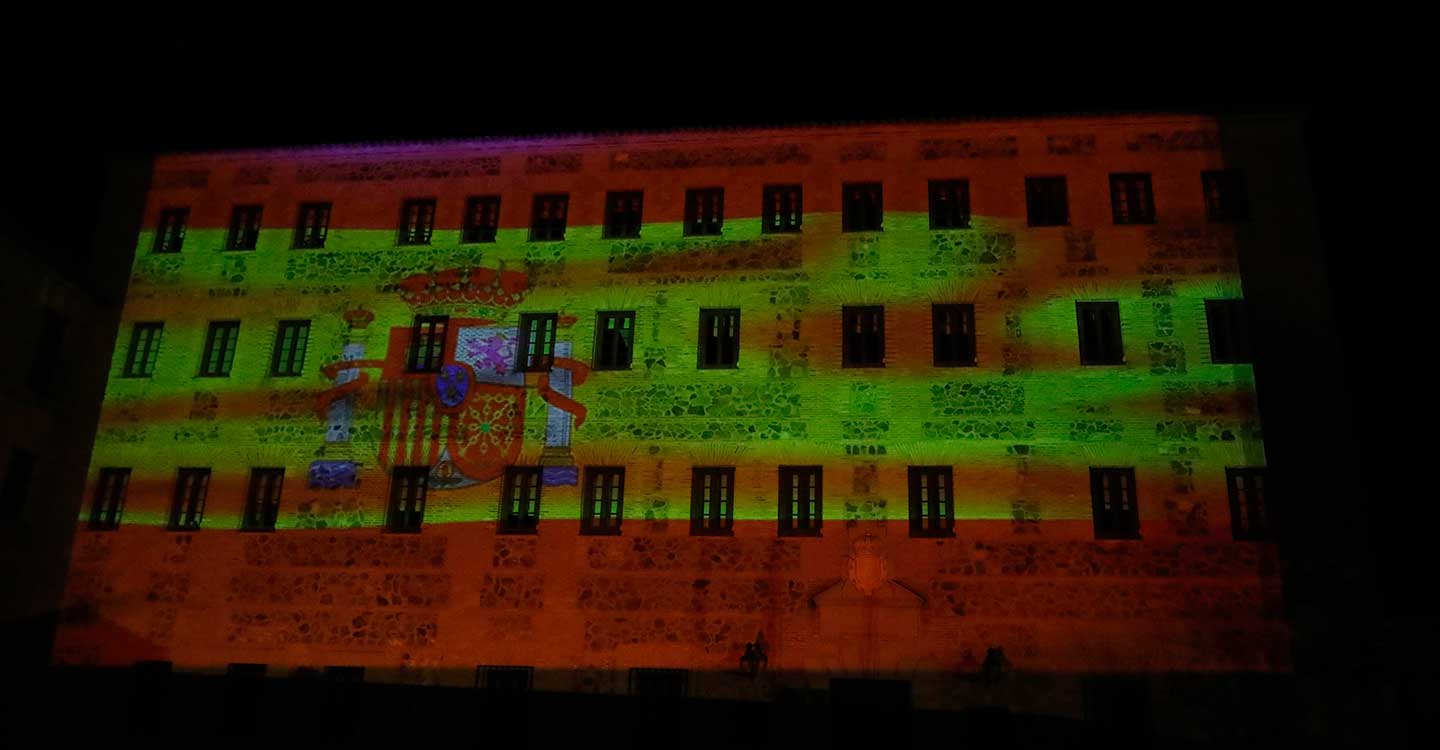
1082,144
714,635
1101,600
293,404
756,400
863,151
1171,242
970,397
1166,357
512,591
331,627
514,552
345,551
674,158
389,171
979,429
1201,430
968,148
339,588
1208,399
1093,430
736,430
1174,140
971,246
631,593
1108,559
161,269
693,255
552,163
679,553
388,266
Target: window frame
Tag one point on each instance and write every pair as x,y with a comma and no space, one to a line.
262,498
1226,198
108,505
720,521
308,235
605,353
862,207
777,216
931,517
708,322
1105,357
612,515
151,351
639,680
858,349
481,224
964,317
624,214
435,331
187,509
245,222
485,672
1118,523
807,522
704,212
170,232
543,359
1230,317
527,520
1126,189
405,504
549,229
419,233
959,190
223,364
1039,202
295,366
1240,480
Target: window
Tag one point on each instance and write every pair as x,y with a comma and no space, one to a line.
604,500
1226,200
862,207
291,338
953,327
520,507
547,220
1045,201
244,228
712,501
312,225
1227,324
47,367
1131,199
1099,326
15,489
1112,499
614,340
719,338
800,496
262,503
427,343
782,210
1249,517
622,214
863,343
109,498
189,506
417,221
949,204
482,219
659,683
932,501
144,348
704,211
220,343
170,235
536,349
408,485
504,680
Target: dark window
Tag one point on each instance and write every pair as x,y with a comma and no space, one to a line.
482,219
1099,326
932,501
504,680
189,505
408,485
954,333
547,222
704,211
262,503
535,351
47,367
622,214
109,498
949,204
312,225
1045,201
15,490
220,343
800,496
604,500
863,343
170,235
614,340
144,348
1227,324
427,343
659,683
862,207
417,221
782,211
1226,200
244,228
719,338
520,506
712,501
1131,199
1112,499
291,338
1249,516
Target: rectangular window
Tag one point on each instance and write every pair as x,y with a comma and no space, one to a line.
1229,331
782,210
15,489
417,221
719,338
1131,199
482,219
932,501
704,211
800,497
144,348
312,225
520,506
109,498
536,350
659,683
244,228
1112,499
622,214
1099,327
191,484
427,343
949,204
1225,198
408,485
547,220
220,342
712,501
862,207
1249,516
1045,201
170,235
863,342
262,502
504,680
614,340
291,339
604,500
954,334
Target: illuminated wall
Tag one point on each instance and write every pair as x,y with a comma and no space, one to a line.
1021,429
